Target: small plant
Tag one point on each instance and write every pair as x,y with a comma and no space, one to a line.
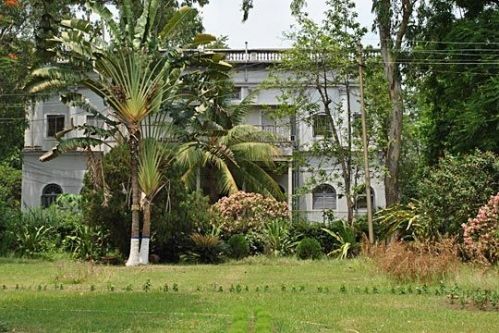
175,287
309,248
147,286
129,288
343,289
239,246
110,287
220,289
92,288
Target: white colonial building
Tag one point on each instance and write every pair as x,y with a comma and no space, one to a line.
43,181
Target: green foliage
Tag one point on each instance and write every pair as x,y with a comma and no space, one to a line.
45,232
401,221
277,239
453,191
239,246
309,248
173,218
456,83
348,244
206,249
316,231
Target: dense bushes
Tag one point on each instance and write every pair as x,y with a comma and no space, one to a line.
309,248
46,232
243,212
453,191
176,214
481,234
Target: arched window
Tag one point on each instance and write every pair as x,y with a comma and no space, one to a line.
324,197
49,194
361,202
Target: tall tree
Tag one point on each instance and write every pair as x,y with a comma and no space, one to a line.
456,77
310,73
133,76
393,18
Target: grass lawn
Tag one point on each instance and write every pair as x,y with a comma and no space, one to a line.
199,298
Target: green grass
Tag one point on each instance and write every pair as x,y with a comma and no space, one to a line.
315,304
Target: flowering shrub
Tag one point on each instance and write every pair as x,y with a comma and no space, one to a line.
243,212
481,234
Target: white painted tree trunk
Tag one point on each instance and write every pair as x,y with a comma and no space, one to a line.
144,251
133,258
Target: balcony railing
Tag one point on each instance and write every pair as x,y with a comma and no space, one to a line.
282,133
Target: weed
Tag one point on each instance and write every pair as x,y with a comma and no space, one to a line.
343,289
147,286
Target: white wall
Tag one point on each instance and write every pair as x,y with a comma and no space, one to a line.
66,171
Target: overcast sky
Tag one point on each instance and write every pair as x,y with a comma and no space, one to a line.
267,21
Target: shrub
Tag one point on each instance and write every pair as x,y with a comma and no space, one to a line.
8,218
481,234
243,212
239,246
44,232
277,239
416,261
207,249
401,221
303,229
309,248
453,191
346,236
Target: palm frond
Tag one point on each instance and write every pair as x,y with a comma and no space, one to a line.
256,179
65,145
150,159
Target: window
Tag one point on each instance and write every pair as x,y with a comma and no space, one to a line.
55,123
324,197
321,125
49,194
361,202
236,93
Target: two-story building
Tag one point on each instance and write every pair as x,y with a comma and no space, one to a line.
43,181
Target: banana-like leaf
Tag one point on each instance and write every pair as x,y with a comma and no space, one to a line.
107,17
175,22
78,24
202,39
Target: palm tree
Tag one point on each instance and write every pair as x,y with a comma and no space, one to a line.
233,159
150,183
128,73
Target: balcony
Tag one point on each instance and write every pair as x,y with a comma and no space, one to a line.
281,133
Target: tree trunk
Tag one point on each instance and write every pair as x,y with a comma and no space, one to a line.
146,234
392,193
390,43
348,176
133,258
